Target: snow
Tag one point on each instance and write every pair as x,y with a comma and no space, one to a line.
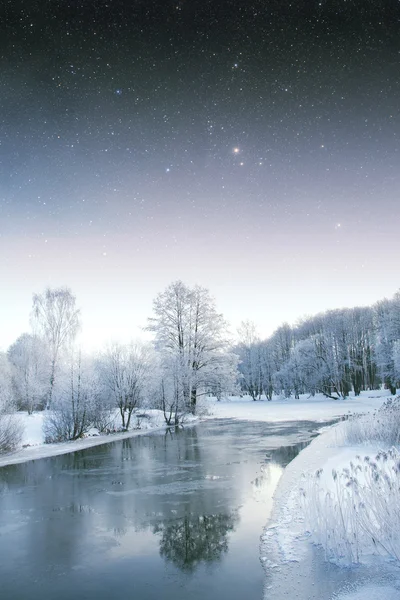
372,592
317,408
33,447
32,427
293,566
287,544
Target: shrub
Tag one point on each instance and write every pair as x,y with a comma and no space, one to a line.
10,433
66,422
382,426
360,513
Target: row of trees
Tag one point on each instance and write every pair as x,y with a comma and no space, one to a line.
334,353
43,369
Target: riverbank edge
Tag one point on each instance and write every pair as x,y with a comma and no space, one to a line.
292,563
317,410
50,450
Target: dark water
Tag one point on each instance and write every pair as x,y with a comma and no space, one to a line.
171,516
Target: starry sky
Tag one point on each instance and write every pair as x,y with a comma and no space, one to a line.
249,146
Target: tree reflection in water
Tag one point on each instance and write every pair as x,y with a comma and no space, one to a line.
192,540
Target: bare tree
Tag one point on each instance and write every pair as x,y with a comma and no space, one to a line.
124,372
56,317
169,394
250,367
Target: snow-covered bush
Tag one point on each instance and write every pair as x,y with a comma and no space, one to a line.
29,360
10,429
357,512
66,422
382,426
104,419
72,414
10,433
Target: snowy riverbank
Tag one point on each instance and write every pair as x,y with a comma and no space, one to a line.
33,447
294,566
307,408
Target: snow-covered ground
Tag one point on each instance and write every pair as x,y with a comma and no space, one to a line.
293,565
317,408
33,446
301,570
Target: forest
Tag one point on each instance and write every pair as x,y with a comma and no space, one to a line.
334,353
193,354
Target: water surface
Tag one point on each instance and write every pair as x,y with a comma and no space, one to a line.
176,515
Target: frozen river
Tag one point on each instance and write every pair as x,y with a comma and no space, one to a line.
169,515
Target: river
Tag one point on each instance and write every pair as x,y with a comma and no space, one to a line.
171,515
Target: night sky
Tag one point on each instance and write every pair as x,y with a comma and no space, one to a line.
251,147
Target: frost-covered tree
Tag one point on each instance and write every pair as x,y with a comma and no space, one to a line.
387,317
222,379
281,346
267,368
56,318
73,408
6,396
310,368
362,366
28,356
168,392
125,372
10,430
189,329
250,357
335,351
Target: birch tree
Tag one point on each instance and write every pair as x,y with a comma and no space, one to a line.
56,318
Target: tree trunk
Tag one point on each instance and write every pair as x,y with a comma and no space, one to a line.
121,410
193,399
52,378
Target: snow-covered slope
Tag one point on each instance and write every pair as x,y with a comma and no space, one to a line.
296,568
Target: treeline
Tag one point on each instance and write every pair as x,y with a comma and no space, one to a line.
332,353
45,369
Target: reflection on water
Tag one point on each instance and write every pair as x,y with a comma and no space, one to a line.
174,515
195,539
